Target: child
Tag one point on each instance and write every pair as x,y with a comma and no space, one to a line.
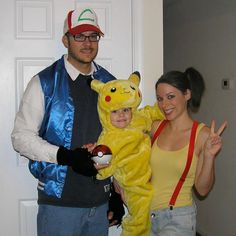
126,133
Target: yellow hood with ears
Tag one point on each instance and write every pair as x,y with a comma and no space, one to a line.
117,94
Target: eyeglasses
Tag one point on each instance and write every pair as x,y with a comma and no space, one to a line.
82,37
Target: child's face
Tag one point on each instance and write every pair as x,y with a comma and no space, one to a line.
121,118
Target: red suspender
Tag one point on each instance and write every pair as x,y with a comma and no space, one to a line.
187,166
158,131
188,162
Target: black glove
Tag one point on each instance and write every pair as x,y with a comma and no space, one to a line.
116,206
79,159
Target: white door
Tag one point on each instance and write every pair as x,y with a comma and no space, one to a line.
30,40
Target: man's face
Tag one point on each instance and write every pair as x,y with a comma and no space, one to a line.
82,49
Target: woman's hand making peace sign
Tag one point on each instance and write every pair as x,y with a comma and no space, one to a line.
213,143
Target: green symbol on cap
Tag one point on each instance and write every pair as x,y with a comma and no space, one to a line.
83,12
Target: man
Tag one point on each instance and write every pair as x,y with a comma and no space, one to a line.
57,116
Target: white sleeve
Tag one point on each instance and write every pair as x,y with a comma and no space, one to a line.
25,135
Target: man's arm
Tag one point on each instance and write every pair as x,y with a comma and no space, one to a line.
25,135
116,208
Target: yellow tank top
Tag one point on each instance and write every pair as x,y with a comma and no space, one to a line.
167,167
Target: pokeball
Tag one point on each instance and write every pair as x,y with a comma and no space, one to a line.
101,154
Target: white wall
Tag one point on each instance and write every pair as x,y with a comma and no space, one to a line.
149,34
203,34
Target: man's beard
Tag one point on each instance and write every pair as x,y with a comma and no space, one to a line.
80,59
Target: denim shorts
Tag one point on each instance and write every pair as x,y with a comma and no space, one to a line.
180,221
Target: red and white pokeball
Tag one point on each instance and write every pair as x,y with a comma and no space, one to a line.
101,154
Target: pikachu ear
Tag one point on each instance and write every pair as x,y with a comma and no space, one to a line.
135,78
96,85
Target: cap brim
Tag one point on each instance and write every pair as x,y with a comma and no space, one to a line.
83,28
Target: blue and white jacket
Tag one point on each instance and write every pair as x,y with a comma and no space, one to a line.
57,125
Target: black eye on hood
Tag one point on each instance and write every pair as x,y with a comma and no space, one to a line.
132,87
113,90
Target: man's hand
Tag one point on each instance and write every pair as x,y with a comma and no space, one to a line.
90,146
79,159
116,209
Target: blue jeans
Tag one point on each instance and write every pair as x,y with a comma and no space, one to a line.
181,221
69,221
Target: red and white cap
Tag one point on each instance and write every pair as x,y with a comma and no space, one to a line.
81,20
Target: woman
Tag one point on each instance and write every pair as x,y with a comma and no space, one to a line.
177,166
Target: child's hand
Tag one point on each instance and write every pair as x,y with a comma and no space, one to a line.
100,166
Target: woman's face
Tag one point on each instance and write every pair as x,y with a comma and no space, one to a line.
171,100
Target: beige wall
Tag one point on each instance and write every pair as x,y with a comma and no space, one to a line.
203,34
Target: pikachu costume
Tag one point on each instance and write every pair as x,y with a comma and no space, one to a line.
130,149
